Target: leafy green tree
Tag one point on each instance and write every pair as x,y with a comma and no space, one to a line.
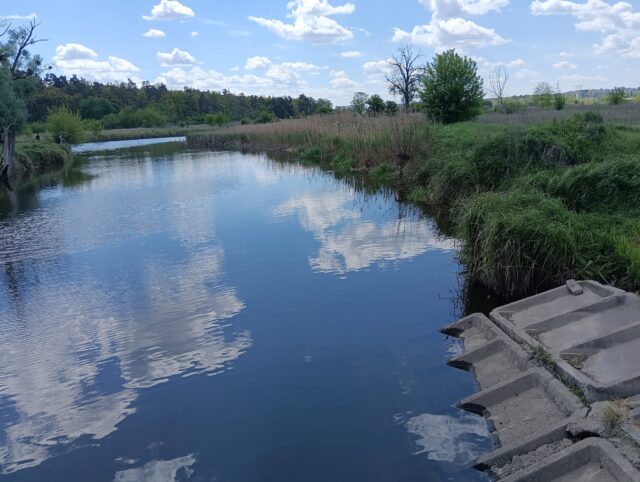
324,106
94,126
66,125
19,69
452,89
359,103
559,100
543,95
375,104
96,108
617,95
391,107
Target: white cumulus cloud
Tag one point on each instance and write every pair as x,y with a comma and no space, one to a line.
564,65
350,54
154,33
449,27
169,10
310,22
77,59
176,57
257,63
617,22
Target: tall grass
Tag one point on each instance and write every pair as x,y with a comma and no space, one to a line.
533,204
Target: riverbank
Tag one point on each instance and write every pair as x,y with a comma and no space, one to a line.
35,161
534,205
148,133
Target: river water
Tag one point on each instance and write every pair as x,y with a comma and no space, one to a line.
175,315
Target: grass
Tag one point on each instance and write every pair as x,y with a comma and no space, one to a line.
534,203
614,414
35,161
147,133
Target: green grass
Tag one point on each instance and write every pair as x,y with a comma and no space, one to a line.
534,204
35,161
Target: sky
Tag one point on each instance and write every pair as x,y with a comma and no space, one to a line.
332,48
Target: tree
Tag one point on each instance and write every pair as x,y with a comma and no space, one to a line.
452,90
405,75
391,107
617,96
13,116
66,125
359,102
559,99
375,104
543,95
17,64
498,83
324,106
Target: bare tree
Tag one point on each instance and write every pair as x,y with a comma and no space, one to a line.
498,83
406,74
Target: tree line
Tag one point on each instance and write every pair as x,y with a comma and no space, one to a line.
125,104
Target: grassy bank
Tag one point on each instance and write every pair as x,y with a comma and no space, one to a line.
533,203
148,133
36,161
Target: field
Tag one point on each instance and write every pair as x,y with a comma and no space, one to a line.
534,203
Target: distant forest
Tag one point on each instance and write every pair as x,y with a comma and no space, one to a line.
126,105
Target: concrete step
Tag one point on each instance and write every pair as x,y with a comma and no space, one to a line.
591,460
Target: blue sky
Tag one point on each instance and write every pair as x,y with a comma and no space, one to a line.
333,48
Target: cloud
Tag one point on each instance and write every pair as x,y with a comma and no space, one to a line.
377,67
311,22
618,22
566,55
74,52
350,54
169,10
30,16
526,74
176,57
154,33
194,34
77,59
449,28
564,65
257,63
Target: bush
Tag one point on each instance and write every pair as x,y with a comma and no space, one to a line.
391,107
219,119
617,96
453,90
559,101
65,125
93,126
375,104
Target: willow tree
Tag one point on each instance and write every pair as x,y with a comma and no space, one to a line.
18,67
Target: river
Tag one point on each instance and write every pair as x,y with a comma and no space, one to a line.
169,314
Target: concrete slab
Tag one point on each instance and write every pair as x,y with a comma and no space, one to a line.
475,330
552,303
593,337
531,403
591,460
493,362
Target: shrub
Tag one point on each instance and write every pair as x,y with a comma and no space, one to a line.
617,95
559,101
375,104
66,124
93,126
453,90
391,107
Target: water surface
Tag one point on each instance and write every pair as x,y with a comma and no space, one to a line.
178,315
